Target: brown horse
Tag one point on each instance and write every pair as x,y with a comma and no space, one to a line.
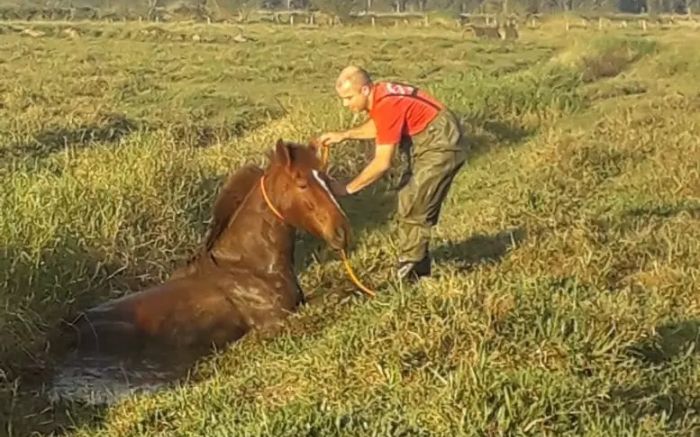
243,278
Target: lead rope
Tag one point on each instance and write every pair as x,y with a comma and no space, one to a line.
325,152
343,255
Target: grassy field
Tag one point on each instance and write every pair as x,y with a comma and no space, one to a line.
565,299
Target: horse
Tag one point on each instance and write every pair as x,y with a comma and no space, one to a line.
243,276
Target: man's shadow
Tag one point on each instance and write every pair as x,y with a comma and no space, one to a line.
479,249
485,136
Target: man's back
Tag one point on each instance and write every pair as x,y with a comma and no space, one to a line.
400,109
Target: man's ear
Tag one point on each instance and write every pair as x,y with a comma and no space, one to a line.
314,144
316,147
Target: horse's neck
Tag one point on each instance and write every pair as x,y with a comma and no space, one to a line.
255,237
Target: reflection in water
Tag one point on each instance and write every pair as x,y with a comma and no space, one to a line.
99,378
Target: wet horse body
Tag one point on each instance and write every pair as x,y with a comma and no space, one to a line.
243,278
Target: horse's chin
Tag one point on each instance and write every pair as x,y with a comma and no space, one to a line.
338,239
336,244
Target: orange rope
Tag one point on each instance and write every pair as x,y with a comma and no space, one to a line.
267,199
325,152
354,279
342,252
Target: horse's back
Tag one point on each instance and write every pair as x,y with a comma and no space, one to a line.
179,313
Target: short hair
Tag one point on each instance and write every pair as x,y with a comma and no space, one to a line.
353,76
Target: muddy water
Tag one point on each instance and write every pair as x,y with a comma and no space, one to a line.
104,379
123,369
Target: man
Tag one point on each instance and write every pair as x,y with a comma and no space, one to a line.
406,118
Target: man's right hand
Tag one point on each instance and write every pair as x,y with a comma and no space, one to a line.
332,138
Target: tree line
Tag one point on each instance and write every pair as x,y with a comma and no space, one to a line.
149,9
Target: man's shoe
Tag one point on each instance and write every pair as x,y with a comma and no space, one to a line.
413,270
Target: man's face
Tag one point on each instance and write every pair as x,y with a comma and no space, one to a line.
354,98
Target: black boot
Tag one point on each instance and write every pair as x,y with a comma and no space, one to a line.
411,271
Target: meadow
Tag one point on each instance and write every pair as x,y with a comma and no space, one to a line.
565,298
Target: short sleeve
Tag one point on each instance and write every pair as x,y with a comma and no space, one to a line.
389,120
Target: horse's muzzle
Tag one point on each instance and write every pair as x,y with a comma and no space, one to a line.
339,238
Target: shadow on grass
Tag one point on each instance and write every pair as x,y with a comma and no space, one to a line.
653,400
479,249
665,210
46,142
112,127
673,342
484,136
39,292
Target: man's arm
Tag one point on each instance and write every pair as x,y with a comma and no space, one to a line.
374,170
365,131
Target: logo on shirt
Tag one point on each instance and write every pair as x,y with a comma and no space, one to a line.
402,90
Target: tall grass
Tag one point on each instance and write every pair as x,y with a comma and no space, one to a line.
564,300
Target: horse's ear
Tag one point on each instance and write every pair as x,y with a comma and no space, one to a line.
283,152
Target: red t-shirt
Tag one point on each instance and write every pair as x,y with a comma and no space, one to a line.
400,110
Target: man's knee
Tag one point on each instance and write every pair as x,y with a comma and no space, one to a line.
409,197
440,193
405,199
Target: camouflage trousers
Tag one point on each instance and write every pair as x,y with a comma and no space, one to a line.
435,156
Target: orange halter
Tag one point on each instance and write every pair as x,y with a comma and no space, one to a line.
342,251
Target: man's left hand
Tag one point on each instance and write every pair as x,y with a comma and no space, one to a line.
330,138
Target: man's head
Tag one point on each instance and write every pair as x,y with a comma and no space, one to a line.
354,87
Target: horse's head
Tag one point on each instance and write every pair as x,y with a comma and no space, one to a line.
297,190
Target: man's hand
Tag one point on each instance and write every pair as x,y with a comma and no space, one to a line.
375,169
332,138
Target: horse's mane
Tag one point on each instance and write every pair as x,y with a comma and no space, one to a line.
230,198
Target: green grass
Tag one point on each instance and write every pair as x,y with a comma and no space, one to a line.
565,299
